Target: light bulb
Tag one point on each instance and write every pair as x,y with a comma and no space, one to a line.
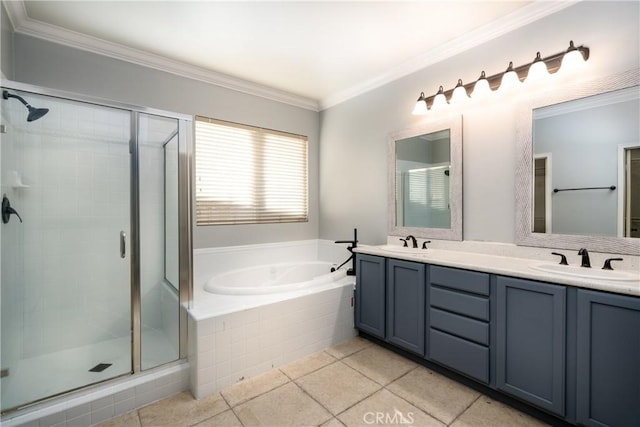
482,88
459,95
510,80
572,60
440,101
537,71
421,106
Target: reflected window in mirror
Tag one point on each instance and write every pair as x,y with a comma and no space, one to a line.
425,180
423,165
586,166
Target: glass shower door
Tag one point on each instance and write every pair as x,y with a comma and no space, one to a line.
65,263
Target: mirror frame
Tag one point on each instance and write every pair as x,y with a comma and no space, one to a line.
454,124
524,170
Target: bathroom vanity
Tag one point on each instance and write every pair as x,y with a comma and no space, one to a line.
567,345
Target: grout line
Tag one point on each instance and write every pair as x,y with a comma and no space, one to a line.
315,370
465,409
257,395
312,398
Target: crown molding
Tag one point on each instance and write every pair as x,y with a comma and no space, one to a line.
23,24
519,18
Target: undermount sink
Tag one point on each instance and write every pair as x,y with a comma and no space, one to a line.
400,249
587,273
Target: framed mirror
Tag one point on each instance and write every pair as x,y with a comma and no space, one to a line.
425,180
578,170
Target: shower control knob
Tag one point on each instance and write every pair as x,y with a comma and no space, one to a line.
7,210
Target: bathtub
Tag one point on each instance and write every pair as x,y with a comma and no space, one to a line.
273,278
258,307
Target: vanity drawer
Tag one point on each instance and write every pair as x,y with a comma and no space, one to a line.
463,280
464,356
461,326
465,304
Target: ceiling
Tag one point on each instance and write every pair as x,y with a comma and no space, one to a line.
312,54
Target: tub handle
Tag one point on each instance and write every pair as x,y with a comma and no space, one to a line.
123,244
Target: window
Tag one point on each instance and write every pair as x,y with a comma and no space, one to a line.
249,175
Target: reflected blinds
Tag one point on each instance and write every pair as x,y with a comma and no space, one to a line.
249,175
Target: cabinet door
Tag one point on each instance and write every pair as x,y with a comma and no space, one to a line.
608,359
406,305
530,342
370,294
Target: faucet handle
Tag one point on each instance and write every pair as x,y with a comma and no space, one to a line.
404,241
607,263
424,244
563,259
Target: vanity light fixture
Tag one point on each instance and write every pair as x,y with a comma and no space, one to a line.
568,60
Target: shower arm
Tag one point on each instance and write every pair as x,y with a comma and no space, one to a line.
7,95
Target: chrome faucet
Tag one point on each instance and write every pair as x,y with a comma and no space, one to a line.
585,258
414,242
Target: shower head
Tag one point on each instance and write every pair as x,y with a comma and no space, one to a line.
34,113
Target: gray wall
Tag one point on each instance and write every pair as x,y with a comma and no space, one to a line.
353,166
6,44
47,64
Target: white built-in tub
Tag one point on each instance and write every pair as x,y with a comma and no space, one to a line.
274,278
258,307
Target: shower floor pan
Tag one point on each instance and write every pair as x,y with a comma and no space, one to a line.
50,374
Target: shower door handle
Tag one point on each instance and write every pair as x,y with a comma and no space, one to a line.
123,244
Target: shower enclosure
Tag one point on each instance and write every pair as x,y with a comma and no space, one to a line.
95,238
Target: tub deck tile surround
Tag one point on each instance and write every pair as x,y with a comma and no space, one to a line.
276,399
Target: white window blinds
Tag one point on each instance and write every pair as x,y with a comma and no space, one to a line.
249,175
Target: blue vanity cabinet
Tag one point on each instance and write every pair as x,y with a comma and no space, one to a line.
459,321
608,359
531,342
406,305
370,306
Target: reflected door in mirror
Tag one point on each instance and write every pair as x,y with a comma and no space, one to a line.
584,181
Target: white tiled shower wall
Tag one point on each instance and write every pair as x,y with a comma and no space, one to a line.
227,348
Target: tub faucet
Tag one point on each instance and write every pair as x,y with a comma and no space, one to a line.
414,242
352,245
585,258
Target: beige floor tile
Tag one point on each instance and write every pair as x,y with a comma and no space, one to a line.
337,386
181,410
333,422
435,394
285,406
225,419
386,409
130,419
349,347
379,364
486,412
252,387
307,365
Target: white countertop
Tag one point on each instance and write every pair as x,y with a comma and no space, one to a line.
506,266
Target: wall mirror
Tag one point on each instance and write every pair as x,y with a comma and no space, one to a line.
425,180
578,174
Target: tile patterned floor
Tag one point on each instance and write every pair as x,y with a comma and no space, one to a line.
355,383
